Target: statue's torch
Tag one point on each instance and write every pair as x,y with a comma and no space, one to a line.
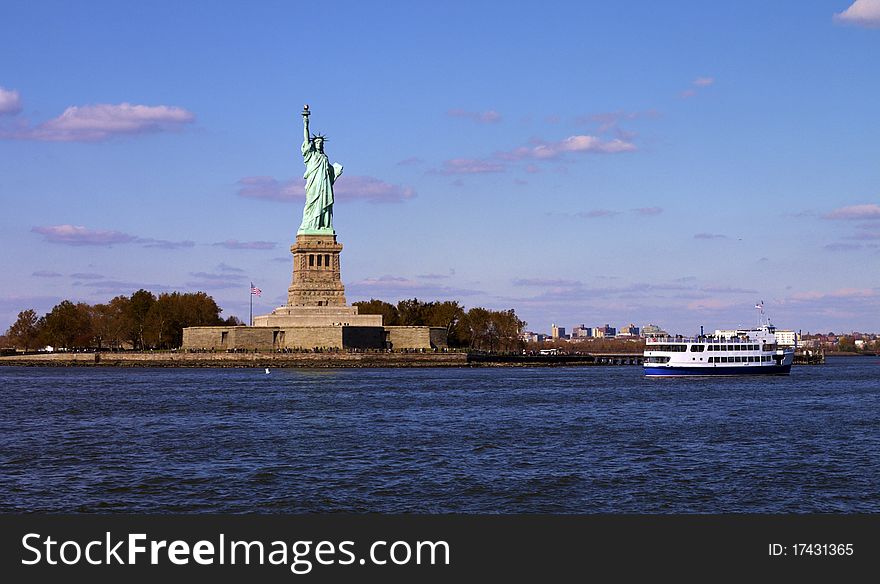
306,112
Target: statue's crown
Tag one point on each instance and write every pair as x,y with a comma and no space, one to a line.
321,136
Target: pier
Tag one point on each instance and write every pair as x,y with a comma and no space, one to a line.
607,359
809,358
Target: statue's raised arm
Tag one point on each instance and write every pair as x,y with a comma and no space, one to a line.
305,115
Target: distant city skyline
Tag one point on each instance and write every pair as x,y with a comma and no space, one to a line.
630,162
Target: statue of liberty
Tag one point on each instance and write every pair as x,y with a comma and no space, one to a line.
320,176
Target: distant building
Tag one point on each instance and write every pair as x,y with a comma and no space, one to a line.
604,332
652,330
532,337
787,338
629,330
581,332
557,332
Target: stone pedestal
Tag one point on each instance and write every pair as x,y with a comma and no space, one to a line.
316,297
316,277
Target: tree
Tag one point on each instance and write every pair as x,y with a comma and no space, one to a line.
412,312
478,329
507,328
69,325
846,344
112,322
137,310
390,316
172,312
24,332
446,314
491,330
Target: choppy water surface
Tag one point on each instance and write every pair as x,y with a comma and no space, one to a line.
567,440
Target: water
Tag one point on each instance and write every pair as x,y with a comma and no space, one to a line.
505,440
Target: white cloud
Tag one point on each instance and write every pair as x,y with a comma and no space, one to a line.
870,211
864,13
696,84
92,123
79,235
577,143
10,101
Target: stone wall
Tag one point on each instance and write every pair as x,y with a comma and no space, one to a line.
311,337
416,337
221,338
250,338
206,337
229,337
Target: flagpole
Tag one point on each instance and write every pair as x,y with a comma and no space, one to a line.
251,295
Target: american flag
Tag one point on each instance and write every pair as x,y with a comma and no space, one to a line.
255,291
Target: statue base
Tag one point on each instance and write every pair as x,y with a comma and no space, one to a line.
316,271
316,296
310,316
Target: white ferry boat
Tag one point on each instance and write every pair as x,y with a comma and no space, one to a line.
739,352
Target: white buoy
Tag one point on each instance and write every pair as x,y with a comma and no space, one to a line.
267,371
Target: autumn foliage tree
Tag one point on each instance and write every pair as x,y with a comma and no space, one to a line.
141,321
390,315
478,328
24,332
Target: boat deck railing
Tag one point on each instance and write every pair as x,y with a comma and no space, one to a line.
703,339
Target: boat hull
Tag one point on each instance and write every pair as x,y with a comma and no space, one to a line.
717,371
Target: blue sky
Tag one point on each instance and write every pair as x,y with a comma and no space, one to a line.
589,162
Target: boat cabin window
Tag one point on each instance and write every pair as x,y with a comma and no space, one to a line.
697,348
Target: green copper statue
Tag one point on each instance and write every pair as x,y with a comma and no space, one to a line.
320,176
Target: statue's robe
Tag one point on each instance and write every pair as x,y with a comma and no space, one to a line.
320,176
